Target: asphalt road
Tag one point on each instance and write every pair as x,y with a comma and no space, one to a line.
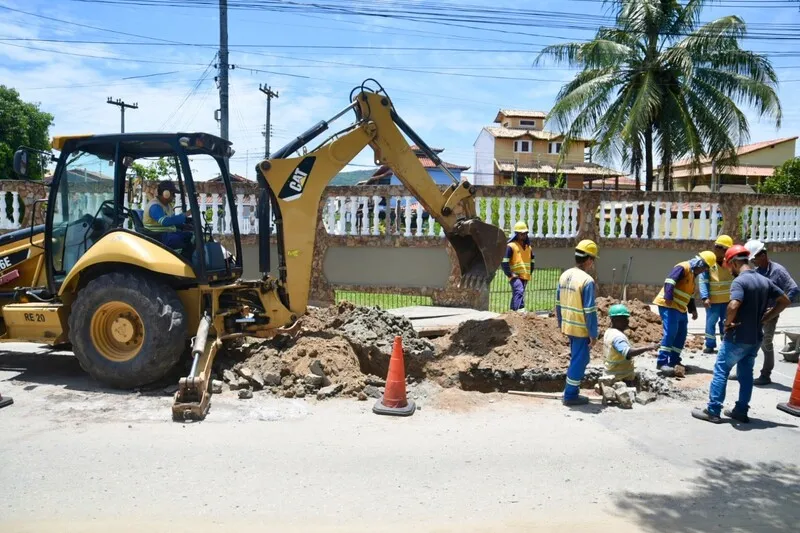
76,457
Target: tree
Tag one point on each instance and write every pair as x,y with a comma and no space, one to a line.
21,124
784,180
659,81
163,167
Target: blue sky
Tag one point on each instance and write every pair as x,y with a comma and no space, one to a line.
446,96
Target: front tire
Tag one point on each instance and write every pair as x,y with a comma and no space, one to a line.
127,329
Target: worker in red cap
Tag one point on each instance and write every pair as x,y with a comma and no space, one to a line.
746,313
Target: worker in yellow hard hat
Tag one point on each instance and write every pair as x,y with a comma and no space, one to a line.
577,317
715,291
518,265
675,299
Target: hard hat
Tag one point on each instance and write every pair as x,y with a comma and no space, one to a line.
587,247
755,247
618,310
724,240
737,250
709,258
520,227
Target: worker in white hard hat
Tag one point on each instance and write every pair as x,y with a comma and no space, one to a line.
776,273
674,301
576,312
518,265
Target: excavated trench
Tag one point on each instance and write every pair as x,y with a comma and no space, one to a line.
345,350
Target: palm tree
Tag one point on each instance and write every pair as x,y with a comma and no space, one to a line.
659,79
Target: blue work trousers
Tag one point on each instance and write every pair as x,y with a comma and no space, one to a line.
579,351
674,325
179,240
743,357
517,293
715,318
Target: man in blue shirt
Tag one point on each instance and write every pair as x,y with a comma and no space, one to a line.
746,313
780,277
159,217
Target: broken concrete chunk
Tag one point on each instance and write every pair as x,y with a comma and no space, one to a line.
300,392
645,397
257,381
216,386
314,380
229,376
329,391
609,395
375,381
372,391
625,398
607,380
246,372
315,367
362,397
272,379
620,385
245,394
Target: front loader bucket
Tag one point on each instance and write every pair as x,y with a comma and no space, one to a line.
480,248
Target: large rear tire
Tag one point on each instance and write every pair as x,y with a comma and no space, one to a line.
127,329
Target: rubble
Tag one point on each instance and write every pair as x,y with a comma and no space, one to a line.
625,396
245,394
329,391
645,397
216,386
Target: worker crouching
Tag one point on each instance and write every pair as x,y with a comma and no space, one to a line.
617,351
715,291
577,317
674,301
518,265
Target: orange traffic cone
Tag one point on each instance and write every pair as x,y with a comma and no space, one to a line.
4,402
793,407
394,401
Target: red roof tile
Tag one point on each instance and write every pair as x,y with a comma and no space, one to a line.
742,150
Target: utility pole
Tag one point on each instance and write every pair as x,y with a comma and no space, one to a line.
122,105
267,131
223,68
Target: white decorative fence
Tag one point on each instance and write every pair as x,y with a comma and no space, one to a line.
771,223
670,220
403,215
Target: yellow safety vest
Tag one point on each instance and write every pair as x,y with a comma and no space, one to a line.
719,284
154,225
570,287
683,290
520,263
616,363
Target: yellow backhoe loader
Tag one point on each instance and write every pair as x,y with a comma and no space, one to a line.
95,276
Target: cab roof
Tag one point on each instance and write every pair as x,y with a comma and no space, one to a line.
146,144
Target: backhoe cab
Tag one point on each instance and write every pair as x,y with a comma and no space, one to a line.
96,276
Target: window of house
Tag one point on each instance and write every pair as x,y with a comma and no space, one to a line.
527,123
554,148
522,146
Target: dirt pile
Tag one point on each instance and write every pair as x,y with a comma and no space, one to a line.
340,350
644,326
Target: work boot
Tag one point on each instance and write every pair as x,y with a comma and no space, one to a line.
708,350
666,370
739,417
703,414
580,400
760,381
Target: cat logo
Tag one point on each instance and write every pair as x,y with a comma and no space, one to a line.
293,188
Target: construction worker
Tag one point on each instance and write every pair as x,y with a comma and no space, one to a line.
747,311
617,350
780,277
675,299
577,317
715,291
518,265
159,217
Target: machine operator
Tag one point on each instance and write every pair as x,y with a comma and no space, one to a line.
159,217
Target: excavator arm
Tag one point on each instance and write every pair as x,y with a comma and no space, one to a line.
293,186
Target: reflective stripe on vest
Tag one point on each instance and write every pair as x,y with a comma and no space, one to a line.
683,290
570,286
154,225
616,363
520,263
719,285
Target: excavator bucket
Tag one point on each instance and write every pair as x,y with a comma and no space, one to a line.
480,248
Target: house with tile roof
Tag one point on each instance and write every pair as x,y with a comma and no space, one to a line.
757,162
385,176
519,147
